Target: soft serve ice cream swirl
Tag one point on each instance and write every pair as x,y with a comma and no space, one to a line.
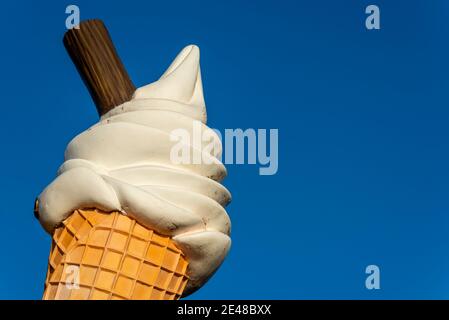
123,164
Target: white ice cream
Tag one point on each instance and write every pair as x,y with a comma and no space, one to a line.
123,163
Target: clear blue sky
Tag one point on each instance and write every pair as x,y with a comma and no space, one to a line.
363,136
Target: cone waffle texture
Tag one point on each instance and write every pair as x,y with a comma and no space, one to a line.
101,256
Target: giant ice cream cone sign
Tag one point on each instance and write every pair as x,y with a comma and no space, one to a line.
127,220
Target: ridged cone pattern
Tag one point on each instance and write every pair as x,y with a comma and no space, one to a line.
97,255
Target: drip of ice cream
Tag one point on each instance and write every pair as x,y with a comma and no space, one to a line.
123,164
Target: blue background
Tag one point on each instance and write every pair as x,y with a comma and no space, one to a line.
363,136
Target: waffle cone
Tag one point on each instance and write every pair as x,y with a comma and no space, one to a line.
98,255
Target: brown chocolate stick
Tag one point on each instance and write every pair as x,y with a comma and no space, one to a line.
99,65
